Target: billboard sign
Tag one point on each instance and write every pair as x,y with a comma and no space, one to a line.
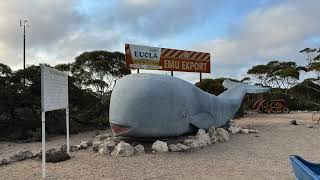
146,57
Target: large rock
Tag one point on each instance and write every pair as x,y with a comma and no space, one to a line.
123,149
139,149
200,140
182,146
174,148
107,146
212,134
5,161
244,131
203,138
84,144
191,142
160,146
21,155
247,131
223,135
253,131
54,155
102,136
74,148
99,140
234,129
293,122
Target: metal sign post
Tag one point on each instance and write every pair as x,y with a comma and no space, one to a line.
54,96
67,126
43,119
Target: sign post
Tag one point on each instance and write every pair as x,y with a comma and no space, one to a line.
43,119
54,96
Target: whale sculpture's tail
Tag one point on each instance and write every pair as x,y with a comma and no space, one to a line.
225,105
248,88
237,90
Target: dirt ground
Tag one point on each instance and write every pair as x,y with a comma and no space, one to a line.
252,156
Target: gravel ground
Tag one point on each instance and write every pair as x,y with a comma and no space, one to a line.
252,156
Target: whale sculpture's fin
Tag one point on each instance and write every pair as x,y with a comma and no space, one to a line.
249,88
202,120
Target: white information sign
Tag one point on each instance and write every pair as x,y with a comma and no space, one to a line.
54,96
54,89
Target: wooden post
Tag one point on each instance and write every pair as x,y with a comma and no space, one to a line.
171,73
200,77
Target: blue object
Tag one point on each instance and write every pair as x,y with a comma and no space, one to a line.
303,169
153,106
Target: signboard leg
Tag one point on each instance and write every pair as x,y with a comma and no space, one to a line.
43,119
171,73
200,77
67,126
138,71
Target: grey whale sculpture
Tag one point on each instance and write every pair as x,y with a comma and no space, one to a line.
154,106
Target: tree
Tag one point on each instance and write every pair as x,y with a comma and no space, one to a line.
64,67
310,53
276,74
5,72
313,62
212,86
260,72
99,70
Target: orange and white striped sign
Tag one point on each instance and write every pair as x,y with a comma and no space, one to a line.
145,57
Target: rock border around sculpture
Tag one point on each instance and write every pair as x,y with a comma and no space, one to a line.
107,144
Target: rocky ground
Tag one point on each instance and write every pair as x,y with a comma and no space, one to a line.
262,155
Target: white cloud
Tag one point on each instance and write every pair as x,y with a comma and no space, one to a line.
49,21
276,32
60,30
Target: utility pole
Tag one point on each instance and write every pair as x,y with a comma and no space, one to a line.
24,23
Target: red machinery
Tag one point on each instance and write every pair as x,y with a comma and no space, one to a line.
271,106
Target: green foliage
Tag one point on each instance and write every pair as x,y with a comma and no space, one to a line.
212,86
63,67
313,60
305,95
99,70
20,113
276,74
4,70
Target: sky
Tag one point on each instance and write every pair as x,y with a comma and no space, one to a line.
238,34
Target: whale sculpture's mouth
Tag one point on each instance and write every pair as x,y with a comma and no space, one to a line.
119,129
